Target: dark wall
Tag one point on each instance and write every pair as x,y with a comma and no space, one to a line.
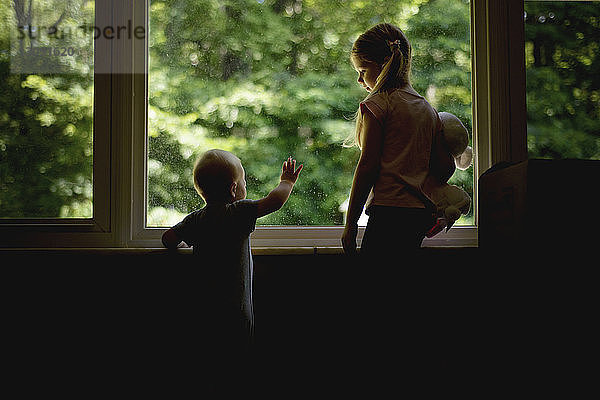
452,314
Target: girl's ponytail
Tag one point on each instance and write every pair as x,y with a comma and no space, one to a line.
395,71
385,45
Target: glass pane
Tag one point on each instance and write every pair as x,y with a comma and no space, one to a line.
267,79
46,108
562,57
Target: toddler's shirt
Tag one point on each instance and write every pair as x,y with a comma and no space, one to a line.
409,123
220,237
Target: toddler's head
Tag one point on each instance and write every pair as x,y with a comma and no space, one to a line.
219,177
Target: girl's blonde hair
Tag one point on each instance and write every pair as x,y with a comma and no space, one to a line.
386,45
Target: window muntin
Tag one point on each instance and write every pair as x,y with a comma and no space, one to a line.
266,80
562,58
46,115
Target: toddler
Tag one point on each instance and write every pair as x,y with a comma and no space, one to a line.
220,236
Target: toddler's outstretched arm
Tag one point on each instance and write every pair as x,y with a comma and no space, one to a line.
278,196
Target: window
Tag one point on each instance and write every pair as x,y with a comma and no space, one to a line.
139,53
266,79
46,113
562,56
55,123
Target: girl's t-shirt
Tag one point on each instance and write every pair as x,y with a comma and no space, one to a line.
409,124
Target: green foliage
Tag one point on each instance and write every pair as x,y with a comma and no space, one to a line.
268,79
45,129
264,79
562,57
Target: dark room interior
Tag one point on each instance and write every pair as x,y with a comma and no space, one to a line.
501,304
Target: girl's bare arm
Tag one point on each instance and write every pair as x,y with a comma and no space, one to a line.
367,169
365,176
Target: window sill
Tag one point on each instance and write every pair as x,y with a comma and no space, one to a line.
328,238
149,251
144,251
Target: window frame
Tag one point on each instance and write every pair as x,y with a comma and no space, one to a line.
38,232
498,90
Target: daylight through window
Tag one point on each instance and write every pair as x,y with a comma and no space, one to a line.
268,79
46,109
562,58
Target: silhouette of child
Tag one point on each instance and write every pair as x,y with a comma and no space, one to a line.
220,236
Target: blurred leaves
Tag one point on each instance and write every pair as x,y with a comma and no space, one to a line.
46,141
265,80
271,79
562,58
268,79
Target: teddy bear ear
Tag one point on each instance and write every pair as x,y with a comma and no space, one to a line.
464,160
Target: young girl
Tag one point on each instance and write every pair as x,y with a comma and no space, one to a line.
395,128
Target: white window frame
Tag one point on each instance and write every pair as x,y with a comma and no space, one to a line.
499,134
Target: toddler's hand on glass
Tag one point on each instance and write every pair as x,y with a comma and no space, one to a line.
289,172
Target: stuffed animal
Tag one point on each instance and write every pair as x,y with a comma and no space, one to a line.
451,151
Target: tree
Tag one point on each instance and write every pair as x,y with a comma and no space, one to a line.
266,79
45,117
563,84
263,78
